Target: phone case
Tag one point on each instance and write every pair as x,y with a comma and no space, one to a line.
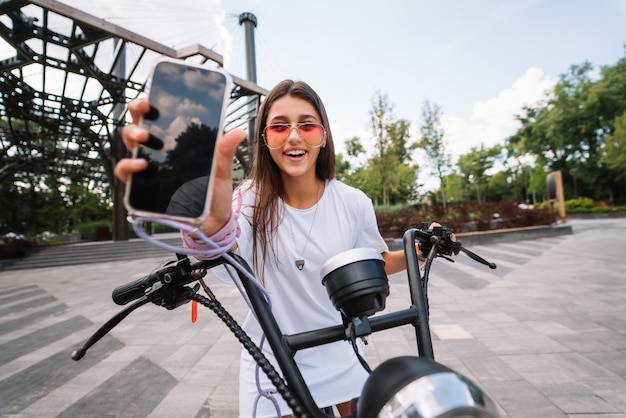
189,108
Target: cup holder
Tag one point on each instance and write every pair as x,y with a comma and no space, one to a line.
356,282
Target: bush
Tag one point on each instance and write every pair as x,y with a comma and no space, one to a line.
15,248
463,217
579,205
91,227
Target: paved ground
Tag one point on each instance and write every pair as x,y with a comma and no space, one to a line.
544,334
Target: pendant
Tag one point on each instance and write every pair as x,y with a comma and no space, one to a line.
300,264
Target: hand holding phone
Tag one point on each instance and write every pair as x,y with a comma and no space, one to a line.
186,119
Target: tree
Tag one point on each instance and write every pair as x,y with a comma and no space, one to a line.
520,166
354,147
499,187
432,142
369,180
456,188
615,148
35,172
343,167
85,203
570,128
390,137
380,117
475,163
537,184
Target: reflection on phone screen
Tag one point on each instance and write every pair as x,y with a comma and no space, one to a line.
189,105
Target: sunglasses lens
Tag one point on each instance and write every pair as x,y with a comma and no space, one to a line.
276,135
276,131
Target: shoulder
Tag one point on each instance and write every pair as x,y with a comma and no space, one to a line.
247,190
343,191
347,199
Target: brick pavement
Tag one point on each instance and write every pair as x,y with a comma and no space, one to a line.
544,334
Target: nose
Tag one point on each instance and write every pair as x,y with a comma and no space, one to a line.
297,134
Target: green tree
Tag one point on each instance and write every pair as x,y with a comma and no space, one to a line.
369,180
456,188
615,148
475,163
569,130
354,147
380,117
537,185
86,204
519,166
390,137
343,167
499,187
433,143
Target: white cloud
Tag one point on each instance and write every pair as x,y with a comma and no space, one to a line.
493,120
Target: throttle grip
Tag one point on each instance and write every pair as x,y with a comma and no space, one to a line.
134,290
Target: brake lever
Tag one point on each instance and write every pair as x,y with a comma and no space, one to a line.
478,258
165,296
443,244
108,326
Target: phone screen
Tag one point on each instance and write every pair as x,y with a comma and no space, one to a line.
185,123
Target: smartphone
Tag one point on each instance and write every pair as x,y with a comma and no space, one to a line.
186,120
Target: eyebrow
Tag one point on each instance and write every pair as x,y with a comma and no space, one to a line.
280,118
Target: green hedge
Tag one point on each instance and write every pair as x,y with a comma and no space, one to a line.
463,217
15,248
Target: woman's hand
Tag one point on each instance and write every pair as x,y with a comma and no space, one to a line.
133,134
221,202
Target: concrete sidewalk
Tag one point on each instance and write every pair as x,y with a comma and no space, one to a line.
544,334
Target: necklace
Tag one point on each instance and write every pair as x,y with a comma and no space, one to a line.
300,261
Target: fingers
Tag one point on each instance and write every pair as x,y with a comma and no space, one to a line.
133,133
225,152
138,109
434,224
221,202
127,166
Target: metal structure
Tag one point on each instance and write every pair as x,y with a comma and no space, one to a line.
65,88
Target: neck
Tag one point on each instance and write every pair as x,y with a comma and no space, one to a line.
302,194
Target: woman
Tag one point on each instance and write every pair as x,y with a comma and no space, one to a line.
294,216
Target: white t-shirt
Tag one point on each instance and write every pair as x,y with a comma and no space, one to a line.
344,219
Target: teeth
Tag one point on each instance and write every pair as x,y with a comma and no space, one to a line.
295,153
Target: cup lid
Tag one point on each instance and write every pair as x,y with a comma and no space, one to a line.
350,256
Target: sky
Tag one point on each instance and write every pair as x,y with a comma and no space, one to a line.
481,61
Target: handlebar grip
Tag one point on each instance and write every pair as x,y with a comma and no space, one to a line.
133,290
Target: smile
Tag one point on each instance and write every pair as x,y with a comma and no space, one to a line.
295,153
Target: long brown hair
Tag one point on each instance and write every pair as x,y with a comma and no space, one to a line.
265,174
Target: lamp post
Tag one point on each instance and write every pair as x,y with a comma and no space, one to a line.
249,22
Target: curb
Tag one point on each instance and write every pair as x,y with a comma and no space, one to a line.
501,235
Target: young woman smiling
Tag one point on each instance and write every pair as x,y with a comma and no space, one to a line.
291,217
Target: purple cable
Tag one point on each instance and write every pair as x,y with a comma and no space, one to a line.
212,250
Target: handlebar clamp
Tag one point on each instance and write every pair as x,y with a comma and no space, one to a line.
444,240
